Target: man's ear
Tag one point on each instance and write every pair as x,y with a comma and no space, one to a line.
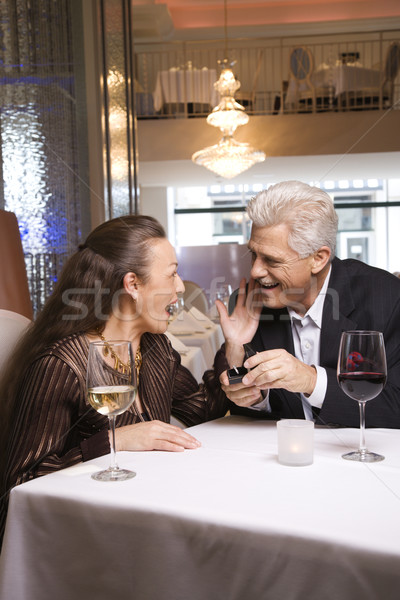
320,259
130,283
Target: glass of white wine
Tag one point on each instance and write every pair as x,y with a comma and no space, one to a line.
111,387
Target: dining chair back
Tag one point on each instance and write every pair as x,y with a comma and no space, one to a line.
194,295
392,68
14,288
301,64
12,326
392,64
301,68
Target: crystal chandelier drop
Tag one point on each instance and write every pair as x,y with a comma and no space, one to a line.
228,158
228,114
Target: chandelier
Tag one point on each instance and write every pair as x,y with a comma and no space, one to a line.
228,158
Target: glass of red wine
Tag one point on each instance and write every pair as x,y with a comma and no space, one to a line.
361,374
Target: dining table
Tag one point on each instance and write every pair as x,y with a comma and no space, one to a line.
338,79
192,357
225,521
200,332
185,85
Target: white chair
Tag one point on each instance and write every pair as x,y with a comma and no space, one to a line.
301,68
194,296
12,326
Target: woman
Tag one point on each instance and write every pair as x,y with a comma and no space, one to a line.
117,286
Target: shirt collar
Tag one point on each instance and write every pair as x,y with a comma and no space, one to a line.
315,311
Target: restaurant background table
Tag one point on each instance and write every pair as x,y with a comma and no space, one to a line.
203,334
191,357
342,79
185,85
208,341
223,522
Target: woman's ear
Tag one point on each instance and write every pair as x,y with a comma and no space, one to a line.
130,282
320,259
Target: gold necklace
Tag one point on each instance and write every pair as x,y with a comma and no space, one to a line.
119,365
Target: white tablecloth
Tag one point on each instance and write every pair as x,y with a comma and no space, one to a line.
191,357
223,522
195,329
341,78
209,342
190,85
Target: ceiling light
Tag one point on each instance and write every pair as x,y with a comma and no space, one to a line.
358,183
228,158
372,183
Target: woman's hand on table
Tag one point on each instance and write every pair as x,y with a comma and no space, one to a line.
154,435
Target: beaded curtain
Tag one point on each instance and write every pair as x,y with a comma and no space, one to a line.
43,157
38,135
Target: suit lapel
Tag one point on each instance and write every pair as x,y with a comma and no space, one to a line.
277,333
338,305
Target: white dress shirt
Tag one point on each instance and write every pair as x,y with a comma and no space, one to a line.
306,332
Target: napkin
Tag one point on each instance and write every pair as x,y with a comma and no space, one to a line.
176,343
185,324
202,319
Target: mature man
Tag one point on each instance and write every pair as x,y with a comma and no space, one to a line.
299,299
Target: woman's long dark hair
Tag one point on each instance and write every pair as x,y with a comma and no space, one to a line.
83,297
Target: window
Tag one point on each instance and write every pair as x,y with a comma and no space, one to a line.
368,212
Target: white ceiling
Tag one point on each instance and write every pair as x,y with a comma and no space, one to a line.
181,173
202,19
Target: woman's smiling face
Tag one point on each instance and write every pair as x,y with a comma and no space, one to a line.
284,277
161,288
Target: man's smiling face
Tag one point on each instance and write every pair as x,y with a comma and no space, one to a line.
285,279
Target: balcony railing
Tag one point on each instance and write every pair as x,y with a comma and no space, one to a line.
173,79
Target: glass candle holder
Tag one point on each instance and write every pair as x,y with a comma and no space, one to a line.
295,442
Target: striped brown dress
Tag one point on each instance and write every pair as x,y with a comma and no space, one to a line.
54,427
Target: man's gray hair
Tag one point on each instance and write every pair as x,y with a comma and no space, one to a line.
307,211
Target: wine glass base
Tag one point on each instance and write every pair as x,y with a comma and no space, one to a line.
363,456
113,475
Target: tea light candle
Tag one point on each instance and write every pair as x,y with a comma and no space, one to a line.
295,442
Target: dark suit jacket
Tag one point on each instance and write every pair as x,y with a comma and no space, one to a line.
358,297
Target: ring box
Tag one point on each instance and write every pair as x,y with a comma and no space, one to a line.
236,374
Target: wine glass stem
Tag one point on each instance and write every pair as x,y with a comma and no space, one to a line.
363,448
113,460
